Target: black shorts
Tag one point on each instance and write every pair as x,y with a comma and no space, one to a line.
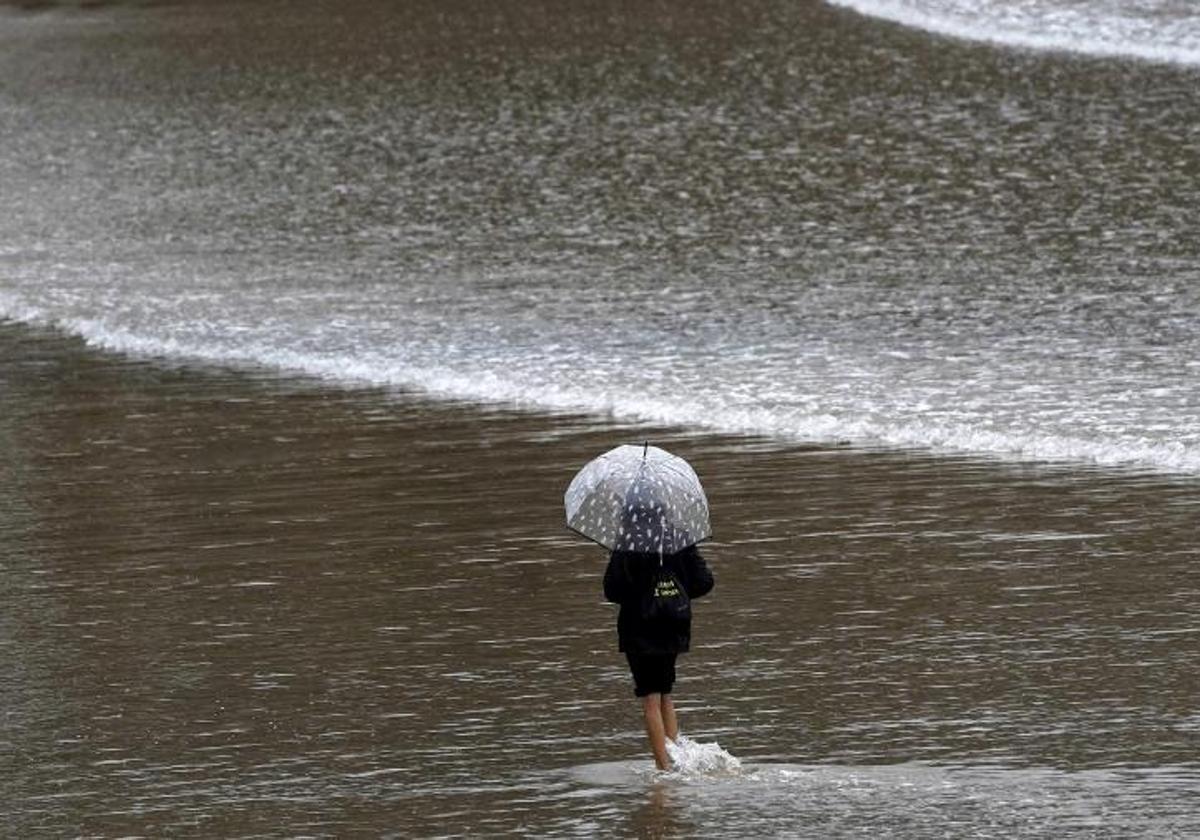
652,674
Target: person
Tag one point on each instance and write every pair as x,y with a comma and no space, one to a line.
651,644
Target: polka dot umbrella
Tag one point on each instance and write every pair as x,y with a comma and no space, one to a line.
638,498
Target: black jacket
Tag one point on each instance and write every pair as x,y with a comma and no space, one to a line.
626,581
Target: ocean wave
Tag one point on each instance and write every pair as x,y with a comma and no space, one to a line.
709,411
1056,31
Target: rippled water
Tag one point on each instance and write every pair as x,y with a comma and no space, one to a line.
922,312
237,605
782,218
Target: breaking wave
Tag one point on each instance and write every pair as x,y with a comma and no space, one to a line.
1154,31
710,408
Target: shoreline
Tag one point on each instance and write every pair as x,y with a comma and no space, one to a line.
572,417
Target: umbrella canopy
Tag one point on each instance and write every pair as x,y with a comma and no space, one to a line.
638,498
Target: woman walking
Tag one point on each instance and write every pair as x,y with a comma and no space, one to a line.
647,507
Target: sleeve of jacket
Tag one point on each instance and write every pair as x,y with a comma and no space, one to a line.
699,578
616,584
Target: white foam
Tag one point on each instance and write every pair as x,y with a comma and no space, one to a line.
1041,26
727,402
692,759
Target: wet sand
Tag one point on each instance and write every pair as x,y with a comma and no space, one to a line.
239,603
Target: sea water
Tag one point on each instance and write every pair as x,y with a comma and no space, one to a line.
236,605
910,800
798,222
1153,30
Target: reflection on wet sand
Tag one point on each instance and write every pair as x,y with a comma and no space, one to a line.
658,815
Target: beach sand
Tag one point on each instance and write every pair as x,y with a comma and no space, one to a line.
237,601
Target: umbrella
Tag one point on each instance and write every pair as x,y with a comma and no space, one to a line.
638,498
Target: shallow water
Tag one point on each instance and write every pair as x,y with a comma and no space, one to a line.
239,605
905,800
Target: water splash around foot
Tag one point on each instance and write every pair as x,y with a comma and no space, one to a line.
692,759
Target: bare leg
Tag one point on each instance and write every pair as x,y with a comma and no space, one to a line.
652,712
670,724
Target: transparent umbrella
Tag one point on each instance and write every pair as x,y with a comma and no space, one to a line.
638,498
